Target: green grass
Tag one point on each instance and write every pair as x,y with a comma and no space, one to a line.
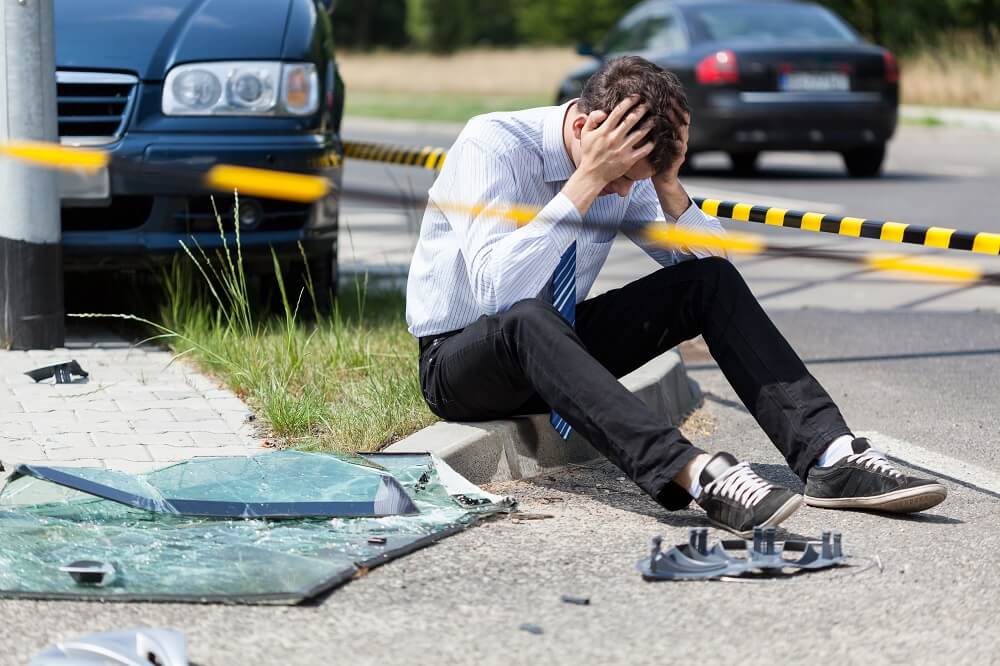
923,121
343,382
449,107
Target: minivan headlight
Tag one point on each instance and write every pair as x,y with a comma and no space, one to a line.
241,89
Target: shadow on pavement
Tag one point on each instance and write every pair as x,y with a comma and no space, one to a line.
601,481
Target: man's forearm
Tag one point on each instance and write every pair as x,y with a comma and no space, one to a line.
674,200
582,189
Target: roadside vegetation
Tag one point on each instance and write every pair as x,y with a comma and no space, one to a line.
454,87
342,382
451,59
959,71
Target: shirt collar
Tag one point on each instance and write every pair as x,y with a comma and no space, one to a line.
555,160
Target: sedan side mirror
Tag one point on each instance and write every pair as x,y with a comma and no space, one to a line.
587,49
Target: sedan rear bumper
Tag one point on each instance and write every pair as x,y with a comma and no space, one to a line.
738,121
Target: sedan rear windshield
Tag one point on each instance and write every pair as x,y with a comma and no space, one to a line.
766,24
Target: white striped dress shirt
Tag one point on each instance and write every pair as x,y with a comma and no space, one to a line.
468,263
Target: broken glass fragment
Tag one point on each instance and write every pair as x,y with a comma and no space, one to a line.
280,527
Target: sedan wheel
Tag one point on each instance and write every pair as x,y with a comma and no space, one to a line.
865,162
744,164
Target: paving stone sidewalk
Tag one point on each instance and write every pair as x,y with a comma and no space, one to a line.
137,410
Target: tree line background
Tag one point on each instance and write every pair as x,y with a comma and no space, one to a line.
447,25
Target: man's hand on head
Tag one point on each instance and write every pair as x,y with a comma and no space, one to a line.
673,198
611,144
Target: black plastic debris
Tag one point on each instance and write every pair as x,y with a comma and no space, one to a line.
694,560
63,372
579,601
90,572
132,647
471,501
532,628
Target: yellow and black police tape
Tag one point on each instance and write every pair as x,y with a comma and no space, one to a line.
429,157
267,183
306,188
896,232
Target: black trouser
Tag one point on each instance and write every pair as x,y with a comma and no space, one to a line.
528,359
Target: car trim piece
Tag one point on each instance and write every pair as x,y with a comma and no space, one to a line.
800,97
69,76
78,141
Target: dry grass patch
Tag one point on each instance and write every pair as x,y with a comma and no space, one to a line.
501,72
966,75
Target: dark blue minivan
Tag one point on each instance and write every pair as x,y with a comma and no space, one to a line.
193,83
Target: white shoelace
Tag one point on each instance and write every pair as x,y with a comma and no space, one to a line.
741,484
875,461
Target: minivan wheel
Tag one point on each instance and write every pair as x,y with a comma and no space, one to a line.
744,164
865,162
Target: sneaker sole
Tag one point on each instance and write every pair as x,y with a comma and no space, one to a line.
907,500
783,512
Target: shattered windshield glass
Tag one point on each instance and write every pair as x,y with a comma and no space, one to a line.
205,530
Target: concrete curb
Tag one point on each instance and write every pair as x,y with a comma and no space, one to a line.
970,118
522,447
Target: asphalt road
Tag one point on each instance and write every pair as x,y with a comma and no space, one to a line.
913,364
942,176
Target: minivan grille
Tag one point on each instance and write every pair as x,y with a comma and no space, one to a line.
93,106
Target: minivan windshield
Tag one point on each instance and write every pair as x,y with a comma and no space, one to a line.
766,23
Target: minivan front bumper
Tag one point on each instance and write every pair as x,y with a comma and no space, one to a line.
147,218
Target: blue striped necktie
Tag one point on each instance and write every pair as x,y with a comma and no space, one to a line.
564,300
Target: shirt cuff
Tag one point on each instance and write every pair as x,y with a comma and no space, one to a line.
559,221
694,217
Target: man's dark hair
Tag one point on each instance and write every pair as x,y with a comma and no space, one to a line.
659,89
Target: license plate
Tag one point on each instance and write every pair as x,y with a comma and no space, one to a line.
81,184
814,82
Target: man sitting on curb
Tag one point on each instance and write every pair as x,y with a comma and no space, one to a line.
504,330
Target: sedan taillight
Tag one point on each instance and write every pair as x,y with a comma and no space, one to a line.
891,67
720,68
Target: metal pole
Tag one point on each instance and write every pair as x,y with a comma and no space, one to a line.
31,268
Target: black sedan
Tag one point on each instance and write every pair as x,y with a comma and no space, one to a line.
764,75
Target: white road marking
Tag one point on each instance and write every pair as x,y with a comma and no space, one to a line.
936,462
960,170
709,192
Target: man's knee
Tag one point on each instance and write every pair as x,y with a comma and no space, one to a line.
530,314
718,272
717,265
533,309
